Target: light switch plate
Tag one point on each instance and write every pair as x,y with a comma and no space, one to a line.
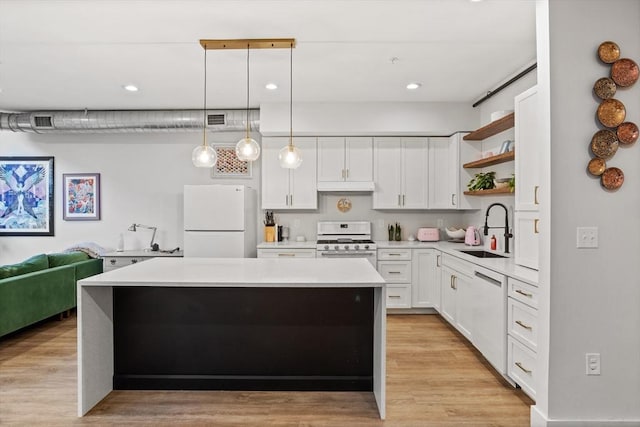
593,363
587,237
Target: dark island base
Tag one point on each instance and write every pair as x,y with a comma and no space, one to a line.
243,339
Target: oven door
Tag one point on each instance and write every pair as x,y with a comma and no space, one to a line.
369,255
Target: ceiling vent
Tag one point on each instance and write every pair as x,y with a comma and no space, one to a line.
128,121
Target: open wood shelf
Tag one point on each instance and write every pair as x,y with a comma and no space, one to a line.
493,128
490,161
492,192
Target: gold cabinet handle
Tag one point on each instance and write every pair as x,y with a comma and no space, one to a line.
403,203
395,254
519,365
524,325
451,282
535,195
535,226
526,294
399,204
438,260
453,200
394,296
347,173
394,272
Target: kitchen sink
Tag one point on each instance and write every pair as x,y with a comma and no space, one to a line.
483,254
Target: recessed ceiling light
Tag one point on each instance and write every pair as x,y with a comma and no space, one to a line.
130,88
413,86
476,1
271,86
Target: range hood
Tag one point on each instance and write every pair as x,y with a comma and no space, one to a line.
352,186
127,121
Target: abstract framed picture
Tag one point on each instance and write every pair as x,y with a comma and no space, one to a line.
228,164
26,196
81,196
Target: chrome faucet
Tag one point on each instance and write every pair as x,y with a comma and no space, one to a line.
507,234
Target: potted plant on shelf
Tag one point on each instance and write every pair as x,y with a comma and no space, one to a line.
482,181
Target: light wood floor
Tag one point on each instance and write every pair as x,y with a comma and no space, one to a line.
434,378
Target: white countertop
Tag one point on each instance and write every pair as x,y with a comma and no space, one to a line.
287,245
242,272
505,266
142,253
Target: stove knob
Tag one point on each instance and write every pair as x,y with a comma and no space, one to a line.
346,247
357,247
326,247
336,247
366,247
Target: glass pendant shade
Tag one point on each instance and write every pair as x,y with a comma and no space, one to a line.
204,156
247,149
290,157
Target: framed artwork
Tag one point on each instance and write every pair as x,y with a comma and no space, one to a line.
228,164
81,196
26,196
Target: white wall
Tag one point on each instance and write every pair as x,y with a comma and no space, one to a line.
142,177
594,294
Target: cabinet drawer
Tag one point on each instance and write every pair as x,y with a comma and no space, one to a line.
111,263
394,254
523,292
398,296
282,253
522,368
395,271
523,323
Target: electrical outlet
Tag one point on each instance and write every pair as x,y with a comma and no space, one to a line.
440,222
587,237
593,363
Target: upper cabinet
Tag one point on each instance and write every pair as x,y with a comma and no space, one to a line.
400,170
447,180
289,188
345,164
527,139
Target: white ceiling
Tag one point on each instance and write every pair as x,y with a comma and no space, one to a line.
76,54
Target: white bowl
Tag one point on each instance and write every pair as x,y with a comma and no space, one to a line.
455,233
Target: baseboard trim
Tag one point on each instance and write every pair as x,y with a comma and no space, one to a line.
538,419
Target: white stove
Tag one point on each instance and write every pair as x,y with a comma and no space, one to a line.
345,239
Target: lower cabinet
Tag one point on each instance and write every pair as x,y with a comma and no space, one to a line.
286,253
394,265
526,239
425,278
522,338
413,277
457,294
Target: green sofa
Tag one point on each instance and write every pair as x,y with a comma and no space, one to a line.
41,286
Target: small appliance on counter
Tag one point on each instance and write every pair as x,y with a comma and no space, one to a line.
472,236
428,234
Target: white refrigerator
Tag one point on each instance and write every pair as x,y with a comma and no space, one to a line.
219,221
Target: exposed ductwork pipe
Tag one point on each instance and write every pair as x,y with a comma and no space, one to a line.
127,121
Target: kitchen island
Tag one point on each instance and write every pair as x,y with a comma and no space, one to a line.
232,324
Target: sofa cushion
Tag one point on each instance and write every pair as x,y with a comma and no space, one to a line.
58,259
35,263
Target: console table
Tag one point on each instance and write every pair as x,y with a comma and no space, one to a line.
113,260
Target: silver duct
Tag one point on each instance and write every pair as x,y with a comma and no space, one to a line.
131,121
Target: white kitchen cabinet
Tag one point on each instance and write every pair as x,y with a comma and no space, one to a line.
400,170
526,230
345,163
527,172
522,338
394,265
527,143
425,278
458,294
289,188
447,178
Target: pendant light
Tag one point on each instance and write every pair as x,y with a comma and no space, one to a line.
247,149
204,156
290,156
